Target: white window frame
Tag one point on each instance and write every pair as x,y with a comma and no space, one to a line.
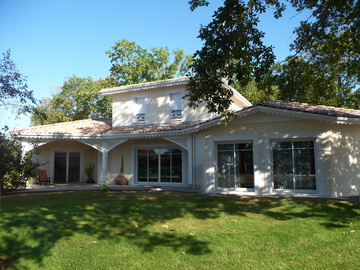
180,92
293,175
134,98
67,150
213,161
269,185
183,165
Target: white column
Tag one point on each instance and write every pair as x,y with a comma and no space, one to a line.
104,166
190,162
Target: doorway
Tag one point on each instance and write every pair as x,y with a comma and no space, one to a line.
66,167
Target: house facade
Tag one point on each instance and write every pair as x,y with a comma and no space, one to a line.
272,148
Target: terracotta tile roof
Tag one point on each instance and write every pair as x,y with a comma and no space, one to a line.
79,127
151,128
309,108
98,126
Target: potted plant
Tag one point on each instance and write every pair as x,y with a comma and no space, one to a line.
89,170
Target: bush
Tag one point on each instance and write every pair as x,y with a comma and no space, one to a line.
16,169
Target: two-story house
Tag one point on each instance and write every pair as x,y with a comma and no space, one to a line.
272,148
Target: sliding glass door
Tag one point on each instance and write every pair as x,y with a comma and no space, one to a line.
66,167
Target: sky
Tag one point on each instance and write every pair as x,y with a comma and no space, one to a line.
51,41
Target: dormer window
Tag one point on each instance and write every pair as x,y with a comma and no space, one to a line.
140,110
176,106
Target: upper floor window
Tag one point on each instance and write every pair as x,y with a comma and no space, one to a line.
175,106
140,109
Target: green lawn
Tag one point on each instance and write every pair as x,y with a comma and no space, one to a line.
125,230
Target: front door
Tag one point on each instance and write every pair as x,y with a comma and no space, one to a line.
66,167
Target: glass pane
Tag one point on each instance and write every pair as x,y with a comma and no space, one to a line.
176,151
306,144
176,114
74,167
165,151
60,167
304,161
281,145
283,182
305,182
140,117
244,169
243,146
222,147
153,151
165,165
226,169
282,162
153,166
142,152
176,169
142,167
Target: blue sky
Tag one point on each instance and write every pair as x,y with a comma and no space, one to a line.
53,40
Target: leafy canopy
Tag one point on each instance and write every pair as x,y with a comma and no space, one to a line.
14,92
15,168
327,43
132,64
79,98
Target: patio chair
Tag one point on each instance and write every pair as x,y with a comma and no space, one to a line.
43,178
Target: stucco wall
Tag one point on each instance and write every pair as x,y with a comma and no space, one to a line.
336,151
157,107
127,151
342,170
44,155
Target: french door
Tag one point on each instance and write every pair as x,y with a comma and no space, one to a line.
66,167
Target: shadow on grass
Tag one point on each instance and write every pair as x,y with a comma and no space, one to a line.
32,224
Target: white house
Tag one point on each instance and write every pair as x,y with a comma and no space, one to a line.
272,148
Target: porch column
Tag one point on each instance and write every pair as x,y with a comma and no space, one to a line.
104,166
190,162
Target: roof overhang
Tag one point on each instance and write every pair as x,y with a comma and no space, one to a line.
144,86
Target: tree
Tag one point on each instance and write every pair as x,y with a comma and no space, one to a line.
14,92
233,47
252,93
298,79
132,64
79,98
15,168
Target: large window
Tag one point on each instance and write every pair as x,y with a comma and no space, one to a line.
235,165
293,165
159,165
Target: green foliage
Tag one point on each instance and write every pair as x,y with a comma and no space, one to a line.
14,92
132,64
79,98
302,80
252,93
15,168
105,186
234,49
89,170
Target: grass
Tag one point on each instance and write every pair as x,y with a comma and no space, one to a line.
125,230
